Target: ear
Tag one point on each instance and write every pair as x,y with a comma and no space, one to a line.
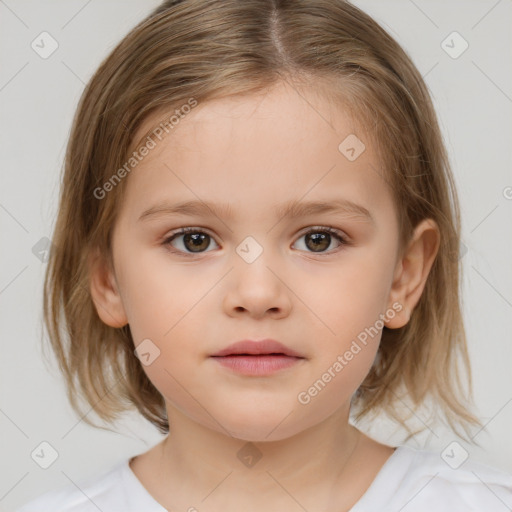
412,271
104,291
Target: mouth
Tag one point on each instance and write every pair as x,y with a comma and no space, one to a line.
261,348
257,364
257,358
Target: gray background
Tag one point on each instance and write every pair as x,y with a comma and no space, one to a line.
473,98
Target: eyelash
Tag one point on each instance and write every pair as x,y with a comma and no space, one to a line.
317,229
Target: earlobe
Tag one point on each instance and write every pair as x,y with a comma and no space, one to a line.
412,271
105,293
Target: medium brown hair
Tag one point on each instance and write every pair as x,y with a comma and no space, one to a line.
206,49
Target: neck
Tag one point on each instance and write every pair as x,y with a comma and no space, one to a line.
309,467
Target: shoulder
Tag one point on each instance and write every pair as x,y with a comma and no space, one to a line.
423,480
101,492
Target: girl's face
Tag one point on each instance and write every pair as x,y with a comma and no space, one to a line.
252,272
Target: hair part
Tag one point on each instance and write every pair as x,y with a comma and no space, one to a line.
242,48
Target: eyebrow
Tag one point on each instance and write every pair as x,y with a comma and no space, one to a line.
293,208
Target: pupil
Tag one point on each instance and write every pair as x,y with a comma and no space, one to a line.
320,240
197,239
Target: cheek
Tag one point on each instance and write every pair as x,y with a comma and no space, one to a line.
345,296
345,303
158,294
168,304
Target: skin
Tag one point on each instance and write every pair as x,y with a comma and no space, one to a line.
255,153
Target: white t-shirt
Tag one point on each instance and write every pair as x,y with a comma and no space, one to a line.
410,481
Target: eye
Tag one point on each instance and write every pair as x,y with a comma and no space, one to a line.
319,238
194,240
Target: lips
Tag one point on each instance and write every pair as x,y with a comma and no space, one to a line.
262,347
263,358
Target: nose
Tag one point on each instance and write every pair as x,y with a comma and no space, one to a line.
258,289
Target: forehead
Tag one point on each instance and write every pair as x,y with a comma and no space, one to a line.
271,147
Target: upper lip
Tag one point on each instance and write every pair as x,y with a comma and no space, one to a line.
251,347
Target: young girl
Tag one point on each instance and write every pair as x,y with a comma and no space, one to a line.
257,239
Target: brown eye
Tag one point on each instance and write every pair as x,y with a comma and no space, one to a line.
193,241
188,241
318,240
196,242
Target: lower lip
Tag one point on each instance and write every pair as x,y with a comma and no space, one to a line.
257,365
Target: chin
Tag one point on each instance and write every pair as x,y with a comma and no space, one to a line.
258,425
